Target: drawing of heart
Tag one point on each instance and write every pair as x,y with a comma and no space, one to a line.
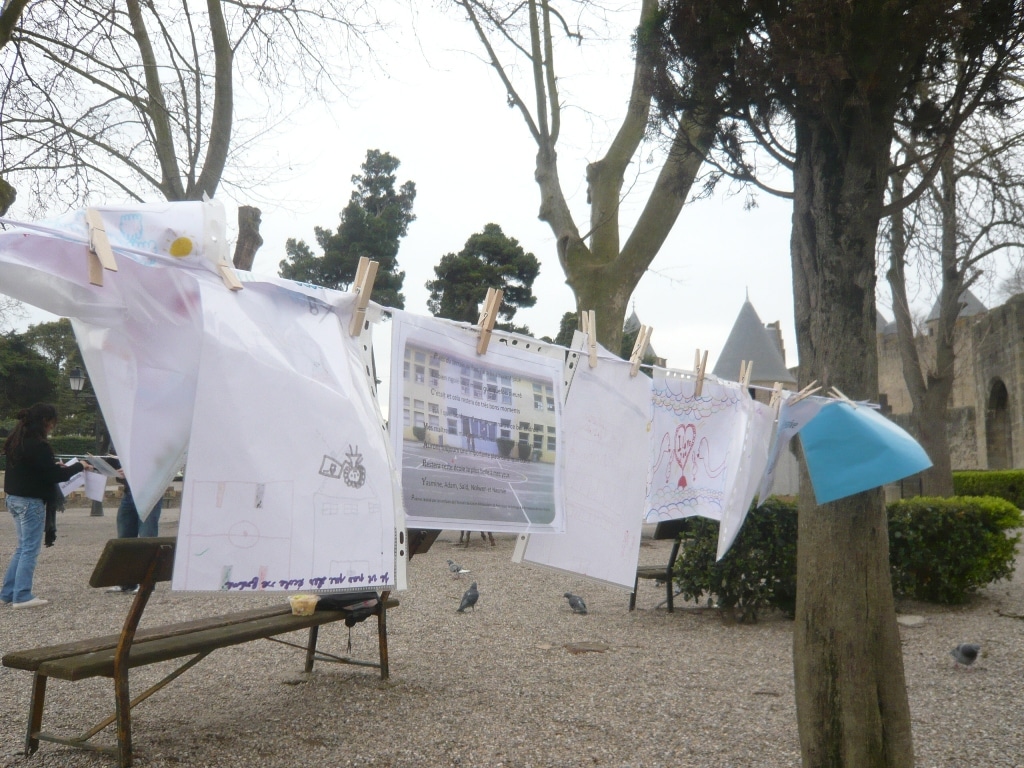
685,437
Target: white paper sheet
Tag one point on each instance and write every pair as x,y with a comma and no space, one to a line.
696,447
289,482
760,424
74,482
95,485
606,419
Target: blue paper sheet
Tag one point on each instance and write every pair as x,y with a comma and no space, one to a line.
850,449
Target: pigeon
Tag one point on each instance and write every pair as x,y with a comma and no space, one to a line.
456,569
576,603
965,653
469,598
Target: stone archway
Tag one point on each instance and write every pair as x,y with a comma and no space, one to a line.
998,438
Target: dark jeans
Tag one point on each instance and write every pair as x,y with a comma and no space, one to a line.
129,526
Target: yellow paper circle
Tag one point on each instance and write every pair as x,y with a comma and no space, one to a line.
181,247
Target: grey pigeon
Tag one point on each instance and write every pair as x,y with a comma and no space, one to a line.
456,569
576,603
469,598
966,653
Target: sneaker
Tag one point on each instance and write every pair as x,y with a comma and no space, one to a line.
130,590
35,602
115,589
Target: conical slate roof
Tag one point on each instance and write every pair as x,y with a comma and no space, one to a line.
632,325
969,306
750,340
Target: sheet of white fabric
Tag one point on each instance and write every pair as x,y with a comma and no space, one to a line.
606,416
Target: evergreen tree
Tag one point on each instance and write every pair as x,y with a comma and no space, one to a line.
376,218
490,259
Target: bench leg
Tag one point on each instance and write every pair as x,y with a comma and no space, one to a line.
382,641
669,592
35,713
123,713
311,648
632,596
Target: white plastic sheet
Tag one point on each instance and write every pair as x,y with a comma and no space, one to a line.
163,321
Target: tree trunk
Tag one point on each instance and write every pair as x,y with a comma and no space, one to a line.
929,393
249,238
852,709
8,194
930,429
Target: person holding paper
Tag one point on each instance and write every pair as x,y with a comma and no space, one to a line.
32,472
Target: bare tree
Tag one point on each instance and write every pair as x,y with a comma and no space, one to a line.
602,270
138,98
972,210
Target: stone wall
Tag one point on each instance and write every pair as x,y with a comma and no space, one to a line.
986,421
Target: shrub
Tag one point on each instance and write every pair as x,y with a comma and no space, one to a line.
72,445
1006,484
420,433
524,450
942,550
758,571
505,446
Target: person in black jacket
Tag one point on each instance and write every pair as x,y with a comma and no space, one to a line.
32,471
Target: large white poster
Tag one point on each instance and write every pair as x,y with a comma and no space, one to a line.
477,436
289,483
606,416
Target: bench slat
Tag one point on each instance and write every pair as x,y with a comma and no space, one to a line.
31,658
101,663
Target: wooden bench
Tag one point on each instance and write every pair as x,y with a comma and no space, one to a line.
145,562
666,529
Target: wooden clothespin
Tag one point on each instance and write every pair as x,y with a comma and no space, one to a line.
228,276
840,396
100,254
362,286
700,363
643,339
807,391
776,398
487,317
588,325
746,367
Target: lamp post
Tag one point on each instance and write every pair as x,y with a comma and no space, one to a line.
76,380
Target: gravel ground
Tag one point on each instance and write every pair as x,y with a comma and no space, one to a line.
502,685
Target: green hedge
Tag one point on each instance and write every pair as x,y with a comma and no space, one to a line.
943,550
758,571
940,550
1005,483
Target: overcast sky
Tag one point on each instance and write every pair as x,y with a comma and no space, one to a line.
442,112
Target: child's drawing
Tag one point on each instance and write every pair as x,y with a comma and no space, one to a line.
680,448
696,448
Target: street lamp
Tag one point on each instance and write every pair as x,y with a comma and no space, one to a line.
76,380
